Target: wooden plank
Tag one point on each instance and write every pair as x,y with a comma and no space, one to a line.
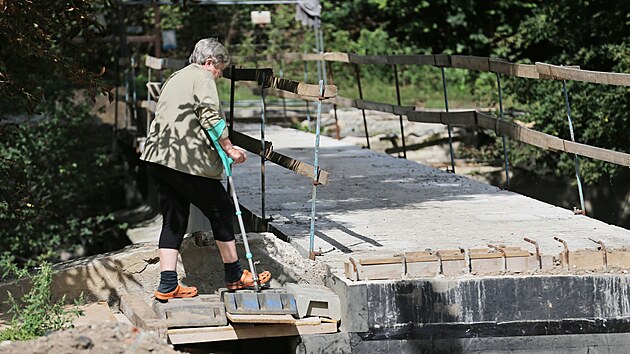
149,105
344,101
403,110
451,255
459,118
556,72
470,62
337,56
312,56
286,319
154,63
487,122
254,145
367,59
251,144
442,60
511,69
424,116
140,314
427,59
530,136
381,260
374,106
616,157
420,256
301,88
247,331
252,75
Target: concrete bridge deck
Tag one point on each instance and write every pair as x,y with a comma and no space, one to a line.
380,205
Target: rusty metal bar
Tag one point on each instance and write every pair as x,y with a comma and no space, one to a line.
358,76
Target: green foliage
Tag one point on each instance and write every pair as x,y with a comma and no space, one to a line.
38,54
35,314
593,34
59,184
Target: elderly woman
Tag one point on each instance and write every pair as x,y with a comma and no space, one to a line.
187,169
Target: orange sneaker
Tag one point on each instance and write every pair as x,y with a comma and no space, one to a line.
179,292
247,280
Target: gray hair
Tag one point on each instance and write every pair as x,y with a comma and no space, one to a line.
209,48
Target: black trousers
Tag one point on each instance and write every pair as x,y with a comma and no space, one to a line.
177,190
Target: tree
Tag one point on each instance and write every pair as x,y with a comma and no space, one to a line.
46,43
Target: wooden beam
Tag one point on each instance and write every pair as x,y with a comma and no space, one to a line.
367,59
374,106
253,145
556,72
248,331
336,56
511,69
470,62
285,319
411,59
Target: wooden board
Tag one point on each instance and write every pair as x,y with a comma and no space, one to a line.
336,56
470,62
556,72
140,314
367,59
442,60
381,260
597,153
411,59
374,106
286,319
511,69
254,145
247,331
424,117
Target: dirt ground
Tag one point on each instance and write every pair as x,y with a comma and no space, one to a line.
105,338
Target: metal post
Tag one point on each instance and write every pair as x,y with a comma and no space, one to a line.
332,79
505,154
232,90
311,246
577,162
262,157
321,48
400,117
319,63
358,75
450,138
308,112
284,101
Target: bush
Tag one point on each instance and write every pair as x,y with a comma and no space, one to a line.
59,184
36,314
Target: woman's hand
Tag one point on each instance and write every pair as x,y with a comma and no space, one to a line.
238,155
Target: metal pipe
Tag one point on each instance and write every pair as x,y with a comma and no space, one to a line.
308,112
284,101
505,154
450,138
263,155
577,162
400,117
318,50
321,48
337,128
311,245
232,90
358,76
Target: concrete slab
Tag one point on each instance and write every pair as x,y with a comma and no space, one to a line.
376,204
